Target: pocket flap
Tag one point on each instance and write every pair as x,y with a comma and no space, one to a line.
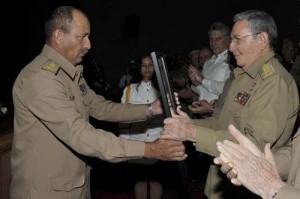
67,183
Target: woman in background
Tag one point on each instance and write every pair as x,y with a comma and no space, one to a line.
147,171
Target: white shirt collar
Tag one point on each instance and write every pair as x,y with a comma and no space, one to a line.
147,85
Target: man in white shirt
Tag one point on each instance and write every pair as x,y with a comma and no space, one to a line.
209,85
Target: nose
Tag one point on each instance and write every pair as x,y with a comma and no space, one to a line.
232,46
87,43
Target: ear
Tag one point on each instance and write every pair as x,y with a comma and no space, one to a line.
57,35
264,39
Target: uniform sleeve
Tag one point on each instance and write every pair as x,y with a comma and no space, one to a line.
287,156
207,122
283,159
49,103
206,139
288,192
272,113
103,109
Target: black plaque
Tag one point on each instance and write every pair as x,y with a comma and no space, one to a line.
164,83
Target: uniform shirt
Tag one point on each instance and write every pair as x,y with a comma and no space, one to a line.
52,134
215,72
262,102
288,165
142,93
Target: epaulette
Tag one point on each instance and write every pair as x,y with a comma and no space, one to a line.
51,66
267,71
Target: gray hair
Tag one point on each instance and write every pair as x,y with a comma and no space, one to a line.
196,51
259,21
60,18
219,26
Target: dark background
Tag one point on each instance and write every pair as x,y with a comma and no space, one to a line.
122,29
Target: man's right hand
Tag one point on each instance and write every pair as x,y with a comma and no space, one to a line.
165,150
179,127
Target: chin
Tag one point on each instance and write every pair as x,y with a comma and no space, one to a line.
79,60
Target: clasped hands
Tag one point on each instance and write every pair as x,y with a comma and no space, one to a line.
179,127
244,164
170,144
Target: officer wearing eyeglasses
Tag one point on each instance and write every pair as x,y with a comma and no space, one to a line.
262,101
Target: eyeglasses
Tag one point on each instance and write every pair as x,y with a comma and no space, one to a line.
238,40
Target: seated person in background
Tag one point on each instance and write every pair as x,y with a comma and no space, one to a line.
289,49
180,65
181,85
204,55
209,85
180,81
194,58
265,174
144,92
214,107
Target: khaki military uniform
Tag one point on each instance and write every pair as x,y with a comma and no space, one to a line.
262,102
288,164
52,133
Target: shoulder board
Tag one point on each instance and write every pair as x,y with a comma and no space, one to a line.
51,66
267,71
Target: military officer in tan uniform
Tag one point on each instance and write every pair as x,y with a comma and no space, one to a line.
262,101
53,103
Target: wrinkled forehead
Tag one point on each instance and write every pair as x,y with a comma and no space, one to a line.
80,21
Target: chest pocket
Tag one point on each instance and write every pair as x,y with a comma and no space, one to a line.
73,98
241,99
80,102
68,183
